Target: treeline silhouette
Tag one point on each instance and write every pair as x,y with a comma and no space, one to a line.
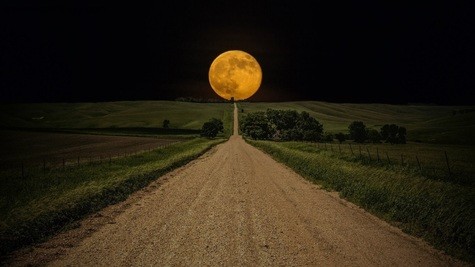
290,125
201,100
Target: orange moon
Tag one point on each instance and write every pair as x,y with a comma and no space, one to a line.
235,73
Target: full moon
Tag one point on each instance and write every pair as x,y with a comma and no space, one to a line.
235,74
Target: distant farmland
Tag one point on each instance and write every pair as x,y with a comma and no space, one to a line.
425,123
36,148
114,115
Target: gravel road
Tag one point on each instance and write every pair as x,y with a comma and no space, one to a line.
234,206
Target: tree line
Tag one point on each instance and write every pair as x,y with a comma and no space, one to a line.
291,125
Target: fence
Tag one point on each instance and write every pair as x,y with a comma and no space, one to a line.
442,168
63,163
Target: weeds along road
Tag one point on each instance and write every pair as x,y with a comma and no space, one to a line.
235,206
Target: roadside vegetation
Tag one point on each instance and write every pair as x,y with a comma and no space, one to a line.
424,123
56,177
441,212
41,204
414,185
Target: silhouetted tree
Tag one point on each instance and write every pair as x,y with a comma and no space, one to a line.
291,125
256,126
211,128
401,135
374,136
309,128
328,137
166,124
392,133
341,137
358,132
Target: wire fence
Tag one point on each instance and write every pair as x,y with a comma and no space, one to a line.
440,167
61,163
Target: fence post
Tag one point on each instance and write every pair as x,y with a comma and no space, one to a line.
387,156
339,148
418,163
448,164
351,149
369,155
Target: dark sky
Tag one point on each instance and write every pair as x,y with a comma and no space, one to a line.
358,51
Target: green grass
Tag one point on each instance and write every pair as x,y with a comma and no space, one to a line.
38,205
440,212
114,115
122,131
426,159
425,123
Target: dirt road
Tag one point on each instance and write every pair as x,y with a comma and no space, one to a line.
236,206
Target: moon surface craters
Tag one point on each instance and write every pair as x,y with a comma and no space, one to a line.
235,74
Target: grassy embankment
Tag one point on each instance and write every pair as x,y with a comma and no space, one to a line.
441,212
42,203
425,201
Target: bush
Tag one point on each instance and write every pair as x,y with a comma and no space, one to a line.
374,136
394,134
211,128
256,126
358,131
283,125
341,137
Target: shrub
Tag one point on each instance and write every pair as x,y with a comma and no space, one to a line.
211,128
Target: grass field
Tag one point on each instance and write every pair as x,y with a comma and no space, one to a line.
37,205
453,163
425,123
114,116
42,202
439,211
39,200
36,148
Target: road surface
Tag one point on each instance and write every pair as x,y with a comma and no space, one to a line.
234,206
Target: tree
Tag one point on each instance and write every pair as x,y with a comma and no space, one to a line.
358,131
166,124
291,125
374,136
328,137
401,135
393,134
256,126
211,128
340,137
309,128
283,122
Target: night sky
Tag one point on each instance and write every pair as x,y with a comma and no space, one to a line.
358,51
